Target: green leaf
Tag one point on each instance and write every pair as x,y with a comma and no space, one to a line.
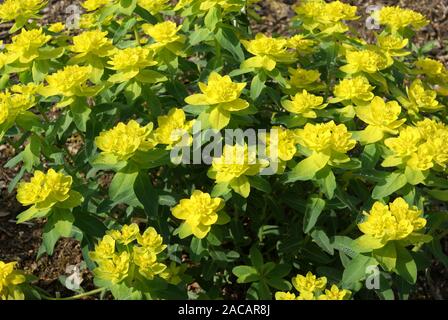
356,269
256,257
307,168
212,18
392,183
123,30
260,183
32,213
327,182
31,154
314,208
220,189
199,35
414,177
322,240
121,291
386,256
121,189
229,41
245,274
256,87
59,225
406,267
146,194
80,112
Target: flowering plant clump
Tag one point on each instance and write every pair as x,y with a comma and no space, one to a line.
236,161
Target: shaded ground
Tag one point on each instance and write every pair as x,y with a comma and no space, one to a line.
21,242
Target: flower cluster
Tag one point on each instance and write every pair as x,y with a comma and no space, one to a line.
10,281
311,287
126,254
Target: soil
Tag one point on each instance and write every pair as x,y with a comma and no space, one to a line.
21,242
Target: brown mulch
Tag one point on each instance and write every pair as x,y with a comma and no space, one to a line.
21,242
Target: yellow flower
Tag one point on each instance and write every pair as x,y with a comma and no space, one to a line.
369,61
406,143
10,281
397,18
301,44
172,128
421,99
92,5
304,104
235,164
14,103
130,62
225,5
305,295
20,10
267,51
126,235
381,117
154,6
56,27
46,190
165,36
335,294
327,138
393,45
222,95
104,250
327,17
285,146
146,260
302,78
92,44
385,223
151,240
124,140
432,68
309,283
114,269
357,89
70,82
200,212
285,296
25,46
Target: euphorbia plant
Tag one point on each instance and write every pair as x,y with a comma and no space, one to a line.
354,136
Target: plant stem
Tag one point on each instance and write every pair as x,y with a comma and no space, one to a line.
75,297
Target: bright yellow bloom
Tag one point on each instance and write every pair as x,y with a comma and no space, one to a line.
421,99
165,36
21,10
225,5
222,95
327,139
114,269
393,45
56,27
335,294
200,212
327,17
309,283
267,51
285,296
304,104
10,281
306,296
385,223
357,89
92,43
146,260
151,240
92,5
420,148
69,82
303,79
369,61
124,140
104,250
130,62
301,44
14,103
25,46
285,146
126,235
432,68
172,128
381,117
397,18
235,164
154,6
45,190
